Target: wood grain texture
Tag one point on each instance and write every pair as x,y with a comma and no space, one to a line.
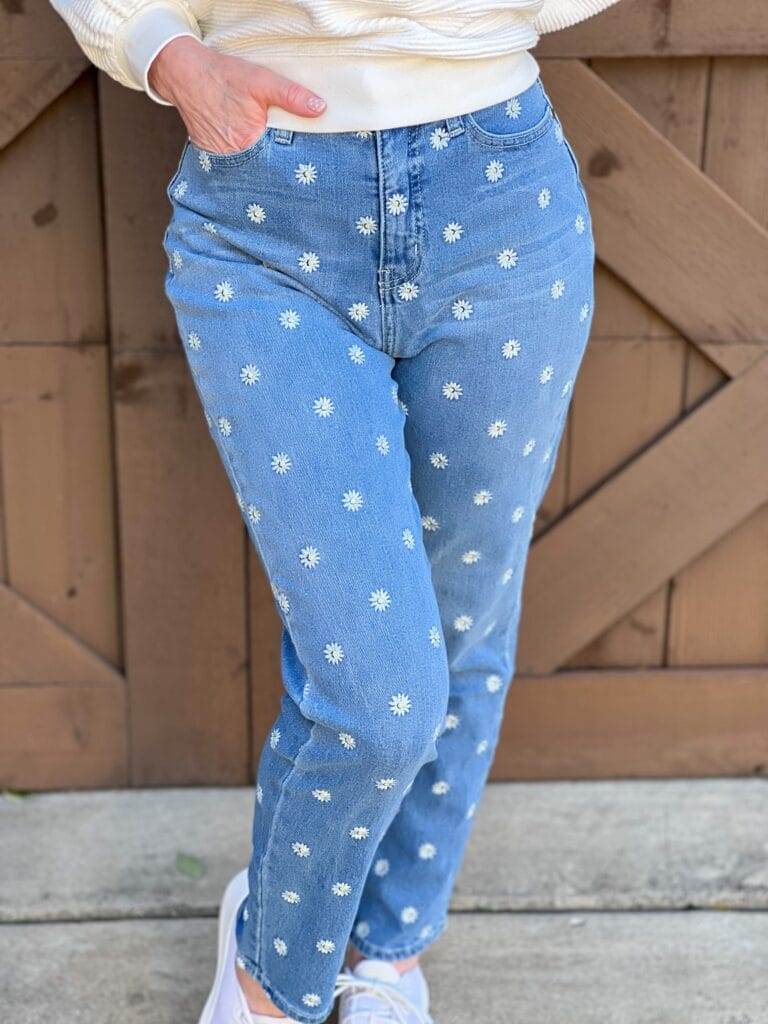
27,88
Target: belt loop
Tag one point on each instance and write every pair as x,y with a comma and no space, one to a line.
454,125
283,135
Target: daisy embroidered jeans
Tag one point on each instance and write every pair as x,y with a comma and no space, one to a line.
384,329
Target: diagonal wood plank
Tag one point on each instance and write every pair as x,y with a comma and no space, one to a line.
42,651
662,225
28,87
665,508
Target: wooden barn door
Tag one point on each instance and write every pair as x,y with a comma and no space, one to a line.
138,642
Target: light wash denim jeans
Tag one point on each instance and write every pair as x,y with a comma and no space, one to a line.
384,329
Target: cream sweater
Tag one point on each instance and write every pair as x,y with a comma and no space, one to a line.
377,63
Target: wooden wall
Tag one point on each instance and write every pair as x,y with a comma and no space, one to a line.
137,650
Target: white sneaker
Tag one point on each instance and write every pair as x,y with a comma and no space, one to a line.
376,993
226,1003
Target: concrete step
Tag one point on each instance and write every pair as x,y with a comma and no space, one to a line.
536,846
601,968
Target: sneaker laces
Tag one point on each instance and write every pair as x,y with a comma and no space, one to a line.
399,1007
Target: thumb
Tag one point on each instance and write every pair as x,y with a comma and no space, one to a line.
277,91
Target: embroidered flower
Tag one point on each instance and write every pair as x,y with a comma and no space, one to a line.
462,309
380,600
381,867
435,637
323,407
558,289
546,374
439,138
397,203
497,428
427,851
481,497
408,291
452,391
290,896
544,198
300,849
430,524
409,540
194,342
341,888
309,262
306,174
493,683
309,557
280,946
507,258
225,426
511,348
462,623
439,460
325,945
408,915
333,653
321,795
471,557
250,374
281,463
367,225
255,213
440,788
494,171
224,292
452,232
518,513
289,319
358,311
347,741
359,832
352,501
399,704
513,108
356,354
382,445
385,784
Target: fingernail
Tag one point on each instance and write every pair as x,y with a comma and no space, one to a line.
316,103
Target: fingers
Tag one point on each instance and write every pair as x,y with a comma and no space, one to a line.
276,91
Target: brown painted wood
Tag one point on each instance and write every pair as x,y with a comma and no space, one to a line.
182,556
667,506
28,88
635,724
59,737
52,286
56,452
658,219
265,677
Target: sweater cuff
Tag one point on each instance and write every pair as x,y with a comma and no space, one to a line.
144,35
557,14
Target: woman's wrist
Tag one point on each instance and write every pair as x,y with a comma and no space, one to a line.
171,65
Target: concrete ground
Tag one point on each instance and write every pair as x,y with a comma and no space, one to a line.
579,903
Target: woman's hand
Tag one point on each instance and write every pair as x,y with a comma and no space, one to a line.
223,100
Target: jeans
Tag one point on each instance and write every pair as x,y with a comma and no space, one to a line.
384,329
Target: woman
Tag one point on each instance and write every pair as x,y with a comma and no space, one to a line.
381,263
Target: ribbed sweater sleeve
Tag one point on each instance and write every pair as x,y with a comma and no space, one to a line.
557,14
122,37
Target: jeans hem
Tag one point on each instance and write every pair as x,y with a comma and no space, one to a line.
370,949
255,971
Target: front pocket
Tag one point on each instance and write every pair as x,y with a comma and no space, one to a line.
512,123
208,159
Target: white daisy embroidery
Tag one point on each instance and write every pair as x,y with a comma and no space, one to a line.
323,407
289,319
462,623
494,171
281,463
254,514
280,947
180,189
452,232
385,784
544,198
558,289
426,931
333,653
409,540
408,291
282,601
481,497
471,811
493,683
497,428
584,312
435,637
397,203
439,460
517,514
408,915
511,348
580,224
513,108
306,174
259,794
250,374
359,832
311,999
430,524
548,453
427,851
528,447
439,138
382,445
399,704
546,374
225,426
323,796
309,557
440,788
290,896
471,557
255,213
507,258
274,738
364,134
194,342
177,259
566,388
356,354
367,225
204,160
380,600
362,929
309,262
341,888
452,391
224,291
325,945
210,228
507,575
482,746
451,722
300,849
381,867
559,131
240,963
358,311
352,501
347,741
462,309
